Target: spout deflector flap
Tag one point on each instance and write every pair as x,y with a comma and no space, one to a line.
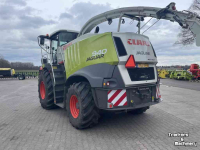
195,28
198,40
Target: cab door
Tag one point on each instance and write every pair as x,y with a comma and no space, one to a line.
54,48
64,38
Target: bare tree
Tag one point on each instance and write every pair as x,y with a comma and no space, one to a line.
4,63
1,57
17,65
186,37
195,6
23,66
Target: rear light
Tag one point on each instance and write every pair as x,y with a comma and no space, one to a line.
110,105
130,62
61,63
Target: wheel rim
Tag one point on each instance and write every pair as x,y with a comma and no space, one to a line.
42,90
73,106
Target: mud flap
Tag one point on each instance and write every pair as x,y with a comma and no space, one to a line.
117,98
158,95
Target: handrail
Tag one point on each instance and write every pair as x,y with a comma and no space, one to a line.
62,57
52,72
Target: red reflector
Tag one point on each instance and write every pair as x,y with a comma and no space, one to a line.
62,62
130,62
173,7
110,106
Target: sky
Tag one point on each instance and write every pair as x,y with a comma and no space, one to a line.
21,21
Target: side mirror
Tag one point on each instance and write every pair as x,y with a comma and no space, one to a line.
109,21
198,40
42,41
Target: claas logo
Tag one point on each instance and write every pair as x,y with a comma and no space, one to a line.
137,42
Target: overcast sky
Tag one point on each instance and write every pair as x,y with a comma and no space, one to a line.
21,21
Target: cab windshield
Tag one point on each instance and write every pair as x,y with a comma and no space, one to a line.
66,37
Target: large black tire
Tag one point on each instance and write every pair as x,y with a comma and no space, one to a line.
138,111
47,98
87,114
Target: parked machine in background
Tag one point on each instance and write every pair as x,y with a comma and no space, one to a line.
181,75
7,72
10,73
162,73
21,77
195,70
192,74
28,73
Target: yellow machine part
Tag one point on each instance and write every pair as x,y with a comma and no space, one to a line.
162,73
5,68
13,71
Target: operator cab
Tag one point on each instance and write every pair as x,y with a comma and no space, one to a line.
56,40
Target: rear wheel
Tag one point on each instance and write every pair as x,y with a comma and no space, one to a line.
81,108
45,89
138,111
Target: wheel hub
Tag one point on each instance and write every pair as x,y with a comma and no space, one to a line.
74,106
42,90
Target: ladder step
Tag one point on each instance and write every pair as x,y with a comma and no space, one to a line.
59,94
60,81
58,70
60,104
59,87
58,73
59,99
59,90
58,76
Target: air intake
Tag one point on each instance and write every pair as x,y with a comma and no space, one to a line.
120,46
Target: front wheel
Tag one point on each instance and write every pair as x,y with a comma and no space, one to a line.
45,90
80,106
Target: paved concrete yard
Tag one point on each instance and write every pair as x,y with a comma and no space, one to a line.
181,84
24,125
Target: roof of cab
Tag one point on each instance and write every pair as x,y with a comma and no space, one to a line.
63,30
